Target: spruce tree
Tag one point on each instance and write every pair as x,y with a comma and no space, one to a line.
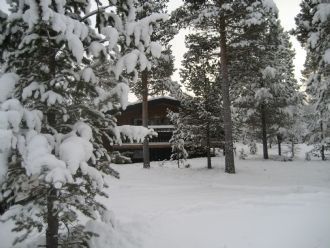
216,16
267,83
247,46
156,78
180,138
199,74
313,32
60,73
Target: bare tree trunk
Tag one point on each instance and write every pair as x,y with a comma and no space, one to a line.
52,213
322,152
322,147
279,141
146,155
264,132
208,146
52,220
229,157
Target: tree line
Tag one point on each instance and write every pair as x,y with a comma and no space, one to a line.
267,102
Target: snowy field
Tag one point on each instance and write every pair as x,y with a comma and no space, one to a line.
267,204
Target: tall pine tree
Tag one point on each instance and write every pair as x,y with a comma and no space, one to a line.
199,74
156,78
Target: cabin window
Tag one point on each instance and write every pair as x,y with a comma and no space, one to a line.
155,121
137,122
166,121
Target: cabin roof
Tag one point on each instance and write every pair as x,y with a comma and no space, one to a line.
157,99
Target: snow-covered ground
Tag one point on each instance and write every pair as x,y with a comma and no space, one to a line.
267,204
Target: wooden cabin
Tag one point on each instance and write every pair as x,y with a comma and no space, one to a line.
160,147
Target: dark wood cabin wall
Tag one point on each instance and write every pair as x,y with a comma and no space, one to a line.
158,109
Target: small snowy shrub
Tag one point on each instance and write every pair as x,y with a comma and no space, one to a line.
242,154
253,148
118,158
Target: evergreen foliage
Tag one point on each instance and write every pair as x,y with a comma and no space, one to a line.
159,74
313,32
201,113
61,78
259,62
272,88
178,139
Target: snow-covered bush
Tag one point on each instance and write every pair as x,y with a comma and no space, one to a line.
177,141
118,158
253,148
134,133
242,154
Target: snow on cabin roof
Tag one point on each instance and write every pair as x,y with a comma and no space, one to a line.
154,98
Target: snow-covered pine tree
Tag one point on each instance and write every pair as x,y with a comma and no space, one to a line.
313,32
178,139
289,111
53,110
267,83
240,26
287,99
159,76
295,129
194,125
216,15
156,78
259,73
199,74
